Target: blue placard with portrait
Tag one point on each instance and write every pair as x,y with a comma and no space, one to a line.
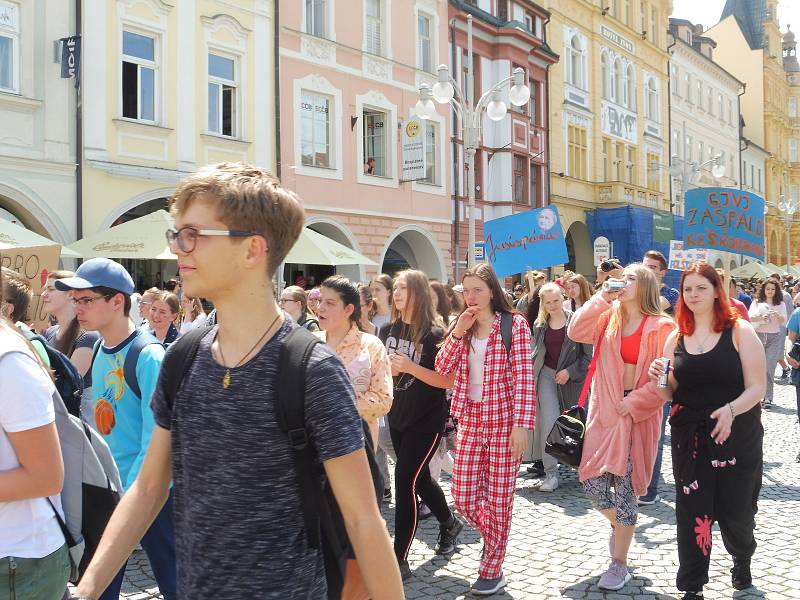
525,241
726,219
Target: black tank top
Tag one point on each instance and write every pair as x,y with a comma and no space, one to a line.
709,380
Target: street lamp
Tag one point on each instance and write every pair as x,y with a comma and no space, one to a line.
685,172
446,90
788,208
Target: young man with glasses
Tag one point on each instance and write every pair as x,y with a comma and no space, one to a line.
239,521
100,292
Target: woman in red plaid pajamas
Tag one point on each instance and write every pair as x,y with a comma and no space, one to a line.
494,403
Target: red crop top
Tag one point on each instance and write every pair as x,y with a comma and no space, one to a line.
630,345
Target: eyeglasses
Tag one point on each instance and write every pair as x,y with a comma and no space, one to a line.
283,300
86,301
186,237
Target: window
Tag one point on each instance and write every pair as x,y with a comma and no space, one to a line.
619,160
689,90
654,25
720,107
519,179
221,95
424,42
374,33
722,159
530,23
431,153
630,83
576,152
9,48
315,129
606,159
793,150
605,71
688,151
700,149
654,171
710,154
753,175
533,185
315,17
375,142
628,12
710,101
631,166
138,76
619,85
699,94
502,10
652,100
576,62
532,106
676,144
792,104
758,181
730,112
673,80
643,17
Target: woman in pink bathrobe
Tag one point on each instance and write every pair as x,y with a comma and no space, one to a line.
623,427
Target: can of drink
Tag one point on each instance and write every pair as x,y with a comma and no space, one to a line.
663,381
613,285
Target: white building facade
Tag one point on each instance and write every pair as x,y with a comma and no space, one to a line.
704,121
37,112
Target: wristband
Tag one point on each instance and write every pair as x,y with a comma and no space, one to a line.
456,337
733,414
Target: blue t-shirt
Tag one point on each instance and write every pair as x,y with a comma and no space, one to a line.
671,294
793,324
124,420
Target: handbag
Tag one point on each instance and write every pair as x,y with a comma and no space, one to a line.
565,440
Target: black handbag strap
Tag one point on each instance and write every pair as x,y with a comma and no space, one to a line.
593,365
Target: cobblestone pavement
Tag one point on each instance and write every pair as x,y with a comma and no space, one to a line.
559,546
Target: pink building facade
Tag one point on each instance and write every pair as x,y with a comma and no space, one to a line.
350,72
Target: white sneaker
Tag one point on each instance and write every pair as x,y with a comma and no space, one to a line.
549,484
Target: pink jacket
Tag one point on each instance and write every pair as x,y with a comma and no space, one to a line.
610,437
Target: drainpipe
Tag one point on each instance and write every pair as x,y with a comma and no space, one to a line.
546,114
78,132
669,123
454,128
739,124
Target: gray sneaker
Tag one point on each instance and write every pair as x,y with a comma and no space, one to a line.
487,587
615,578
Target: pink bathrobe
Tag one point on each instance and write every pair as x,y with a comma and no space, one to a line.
610,437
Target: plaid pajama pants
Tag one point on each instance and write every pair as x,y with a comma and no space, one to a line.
484,481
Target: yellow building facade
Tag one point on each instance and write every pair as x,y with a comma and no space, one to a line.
766,60
609,119
169,86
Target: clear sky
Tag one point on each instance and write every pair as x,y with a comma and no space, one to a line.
707,12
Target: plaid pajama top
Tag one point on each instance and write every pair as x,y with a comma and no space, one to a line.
508,393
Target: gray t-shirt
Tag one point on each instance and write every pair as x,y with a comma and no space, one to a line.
238,524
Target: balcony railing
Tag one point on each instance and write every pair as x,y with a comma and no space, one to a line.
620,192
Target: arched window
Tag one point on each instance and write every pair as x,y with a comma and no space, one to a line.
612,80
631,81
606,73
652,100
576,62
626,98
619,85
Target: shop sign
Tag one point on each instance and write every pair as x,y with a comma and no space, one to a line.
414,164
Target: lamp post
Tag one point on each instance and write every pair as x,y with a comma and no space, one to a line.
446,90
685,172
787,208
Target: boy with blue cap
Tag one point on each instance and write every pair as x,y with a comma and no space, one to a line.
124,371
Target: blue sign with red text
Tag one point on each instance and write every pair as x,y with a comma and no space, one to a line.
525,241
725,219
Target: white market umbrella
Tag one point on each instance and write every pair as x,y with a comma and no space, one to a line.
13,235
143,238
313,248
751,270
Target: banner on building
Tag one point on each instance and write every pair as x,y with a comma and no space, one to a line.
525,241
34,264
70,56
681,257
414,164
662,227
726,219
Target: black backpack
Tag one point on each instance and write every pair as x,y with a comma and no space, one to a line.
323,519
68,381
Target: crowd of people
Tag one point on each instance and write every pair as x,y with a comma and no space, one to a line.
468,379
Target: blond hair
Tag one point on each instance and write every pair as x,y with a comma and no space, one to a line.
647,297
543,316
250,199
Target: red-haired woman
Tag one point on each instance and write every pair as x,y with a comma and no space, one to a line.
493,399
716,428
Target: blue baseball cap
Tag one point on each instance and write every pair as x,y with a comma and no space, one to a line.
98,272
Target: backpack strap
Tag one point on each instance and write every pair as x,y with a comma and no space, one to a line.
506,325
179,359
142,340
290,415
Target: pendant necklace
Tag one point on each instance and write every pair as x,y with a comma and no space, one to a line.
705,339
226,378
